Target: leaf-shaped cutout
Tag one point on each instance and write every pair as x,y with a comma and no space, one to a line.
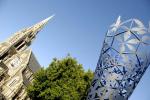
109,33
127,22
113,76
125,57
127,35
112,25
145,38
119,38
130,47
139,23
122,48
114,29
125,27
117,23
133,41
140,30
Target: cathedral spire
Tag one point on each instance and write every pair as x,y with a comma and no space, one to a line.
40,25
47,19
22,39
17,63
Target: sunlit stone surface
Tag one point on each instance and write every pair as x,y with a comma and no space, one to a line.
18,63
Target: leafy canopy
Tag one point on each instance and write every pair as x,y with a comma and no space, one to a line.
64,79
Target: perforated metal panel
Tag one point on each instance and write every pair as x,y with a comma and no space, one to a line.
124,57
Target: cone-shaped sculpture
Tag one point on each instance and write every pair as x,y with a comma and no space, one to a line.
123,60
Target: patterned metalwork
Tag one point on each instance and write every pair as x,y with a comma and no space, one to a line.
123,60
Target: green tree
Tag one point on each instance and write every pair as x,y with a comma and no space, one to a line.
64,79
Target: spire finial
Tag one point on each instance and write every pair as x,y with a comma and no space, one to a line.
47,19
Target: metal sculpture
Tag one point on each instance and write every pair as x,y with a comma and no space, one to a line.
124,58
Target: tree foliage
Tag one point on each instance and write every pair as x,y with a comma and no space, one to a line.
64,79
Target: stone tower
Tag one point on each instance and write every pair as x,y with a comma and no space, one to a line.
18,63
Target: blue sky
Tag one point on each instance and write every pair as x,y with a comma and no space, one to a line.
78,28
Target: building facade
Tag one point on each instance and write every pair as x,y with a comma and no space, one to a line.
18,63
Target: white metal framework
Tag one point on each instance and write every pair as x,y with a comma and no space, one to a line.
123,60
